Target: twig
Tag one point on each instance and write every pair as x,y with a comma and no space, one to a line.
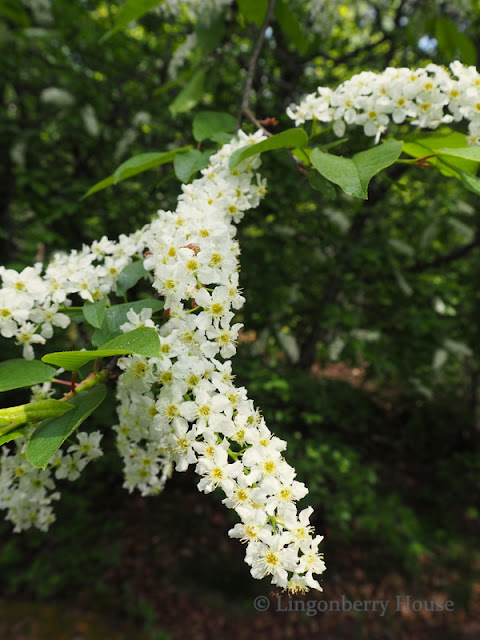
256,122
252,65
455,254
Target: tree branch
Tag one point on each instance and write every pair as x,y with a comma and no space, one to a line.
456,254
252,65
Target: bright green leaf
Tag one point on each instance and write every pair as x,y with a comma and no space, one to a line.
287,139
354,174
131,274
208,123
143,341
18,373
73,360
190,94
52,433
452,143
133,166
187,164
94,312
467,153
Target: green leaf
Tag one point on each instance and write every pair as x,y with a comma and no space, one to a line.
130,275
117,315
94,312
467,153
18,373
143,341
191,93
287,139
187,164
472,183
454,44
33,411
421,22
12,10
354,174
144,162
12,435
73,360
208,123
453,143
52,433
253,10
129,11
133,166
321,184
222,138
209,30
290,26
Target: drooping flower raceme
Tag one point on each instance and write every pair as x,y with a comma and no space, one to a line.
182,408
425,97
195,415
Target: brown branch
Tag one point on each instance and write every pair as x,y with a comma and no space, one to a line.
352,54
256,122
456,254
252,65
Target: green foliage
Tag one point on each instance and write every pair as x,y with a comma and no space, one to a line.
31,412
94,312
17,373
134,166
290,138
254,10
116,315
51,433
128,278
188,164
453,43
143,341
191,94
207,123
129,11
354,174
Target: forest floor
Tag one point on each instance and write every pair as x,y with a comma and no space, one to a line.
185,585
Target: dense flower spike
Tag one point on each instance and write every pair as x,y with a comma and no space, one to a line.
181,409
425,97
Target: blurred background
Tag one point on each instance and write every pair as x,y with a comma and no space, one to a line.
361,339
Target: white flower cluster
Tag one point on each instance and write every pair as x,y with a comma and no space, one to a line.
26,492
183,409
31,301
425,97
